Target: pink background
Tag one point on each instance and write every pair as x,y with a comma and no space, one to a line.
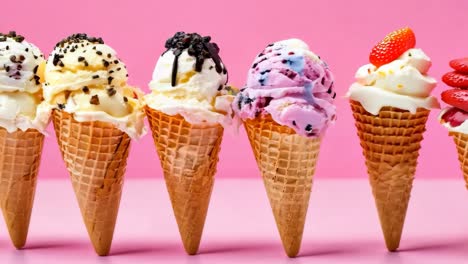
342,32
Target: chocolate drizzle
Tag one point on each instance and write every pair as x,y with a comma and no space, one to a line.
197,46
175,65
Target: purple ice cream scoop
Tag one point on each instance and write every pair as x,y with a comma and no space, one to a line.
293,85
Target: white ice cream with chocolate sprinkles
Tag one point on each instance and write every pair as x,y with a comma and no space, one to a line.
190,80
21,71
85,77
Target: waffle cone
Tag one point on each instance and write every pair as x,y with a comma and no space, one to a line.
391,142
461,142
19,163
287,164
188,155
95,154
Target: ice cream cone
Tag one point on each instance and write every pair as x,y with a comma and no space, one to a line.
19,161
188,155
287,164
95,154
461,141
391,142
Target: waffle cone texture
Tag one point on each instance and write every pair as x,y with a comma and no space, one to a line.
287,163
189,155
19,164
390,142
95,154
461,142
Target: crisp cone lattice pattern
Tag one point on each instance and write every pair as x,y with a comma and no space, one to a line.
188,155
287,164
390,142
19,164
461,142
95,154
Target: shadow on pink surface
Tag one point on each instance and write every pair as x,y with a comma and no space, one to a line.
342,249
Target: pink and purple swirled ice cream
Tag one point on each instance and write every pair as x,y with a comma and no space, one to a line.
293,85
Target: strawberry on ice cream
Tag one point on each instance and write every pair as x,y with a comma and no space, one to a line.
454,117
396,76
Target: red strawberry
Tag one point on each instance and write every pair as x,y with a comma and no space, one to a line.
456,79
392,46
460,65
457,98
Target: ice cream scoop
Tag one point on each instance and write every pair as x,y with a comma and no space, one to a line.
85,77
401,83
293,85
190,80
21,73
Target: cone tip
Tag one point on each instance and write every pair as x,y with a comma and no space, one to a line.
102,250
392,246
191,249
291,252
19,245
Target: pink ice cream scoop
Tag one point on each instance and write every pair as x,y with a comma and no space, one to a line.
293,85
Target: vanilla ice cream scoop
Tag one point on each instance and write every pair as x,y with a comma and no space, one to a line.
85,77
190,79
21,73
401,83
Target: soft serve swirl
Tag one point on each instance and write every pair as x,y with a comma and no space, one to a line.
402,83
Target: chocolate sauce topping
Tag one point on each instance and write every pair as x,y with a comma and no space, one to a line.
197,46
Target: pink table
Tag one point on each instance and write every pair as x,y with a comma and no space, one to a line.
342,226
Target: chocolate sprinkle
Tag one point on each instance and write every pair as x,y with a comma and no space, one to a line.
61,106
95,76
94,100
85,89
111,91
125,99
79,38
13,35
308,128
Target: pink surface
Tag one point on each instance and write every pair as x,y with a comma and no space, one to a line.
342,226
342,32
